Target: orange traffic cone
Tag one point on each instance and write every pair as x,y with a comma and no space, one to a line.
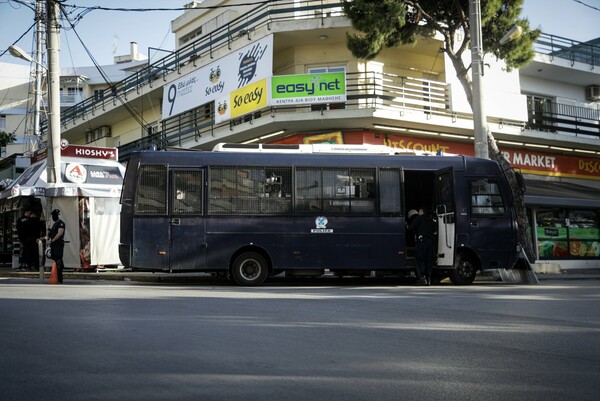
53,274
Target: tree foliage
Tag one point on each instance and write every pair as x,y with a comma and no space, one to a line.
6,138
388,23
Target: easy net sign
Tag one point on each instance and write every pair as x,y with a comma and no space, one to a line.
308,88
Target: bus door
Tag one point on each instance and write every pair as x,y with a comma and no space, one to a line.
446,216
187,231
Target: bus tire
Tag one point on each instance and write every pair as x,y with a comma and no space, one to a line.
464,270
250,269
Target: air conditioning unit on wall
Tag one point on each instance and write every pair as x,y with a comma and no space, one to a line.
592,92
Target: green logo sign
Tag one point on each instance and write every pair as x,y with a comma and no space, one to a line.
308,88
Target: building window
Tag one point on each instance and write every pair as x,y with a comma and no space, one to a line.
98,95
541,112
2,121
98,133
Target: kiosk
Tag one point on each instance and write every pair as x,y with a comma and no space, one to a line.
87,196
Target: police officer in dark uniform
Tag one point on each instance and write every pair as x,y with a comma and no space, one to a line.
425,230
56,240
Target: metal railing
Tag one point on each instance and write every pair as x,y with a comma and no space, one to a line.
568,49
204,46
365,90
557,117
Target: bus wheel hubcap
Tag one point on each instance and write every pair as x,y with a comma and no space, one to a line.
250,269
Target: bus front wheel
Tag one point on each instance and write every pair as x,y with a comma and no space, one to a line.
464,270
250,269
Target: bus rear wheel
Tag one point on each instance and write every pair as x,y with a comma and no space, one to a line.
464,270
250,269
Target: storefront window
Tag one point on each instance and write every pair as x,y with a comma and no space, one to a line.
568,233
584,233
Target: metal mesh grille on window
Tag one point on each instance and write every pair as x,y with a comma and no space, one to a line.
250,190
187,197
151,196
308,190
389,191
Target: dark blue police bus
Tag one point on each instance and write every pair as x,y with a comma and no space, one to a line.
252,211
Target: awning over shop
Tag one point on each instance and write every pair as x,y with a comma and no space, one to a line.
80,177
548,193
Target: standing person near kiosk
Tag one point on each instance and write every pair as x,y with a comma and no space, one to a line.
56,241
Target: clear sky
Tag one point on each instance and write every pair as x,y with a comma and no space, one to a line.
108,33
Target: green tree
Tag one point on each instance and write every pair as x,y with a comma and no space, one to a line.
389,23
6,138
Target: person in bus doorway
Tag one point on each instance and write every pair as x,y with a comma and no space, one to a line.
424,229
56,241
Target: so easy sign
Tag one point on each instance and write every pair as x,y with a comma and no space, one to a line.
242,101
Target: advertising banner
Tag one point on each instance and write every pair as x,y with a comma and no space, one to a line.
308,88
242,101
236,70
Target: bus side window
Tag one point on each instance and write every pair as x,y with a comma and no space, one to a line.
485,198
151,195
389,192
363,200
309,192
187,186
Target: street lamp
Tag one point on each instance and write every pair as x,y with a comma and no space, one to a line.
17,52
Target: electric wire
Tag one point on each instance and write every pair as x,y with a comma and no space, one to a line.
123,102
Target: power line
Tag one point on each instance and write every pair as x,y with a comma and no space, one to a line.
125,104
199,7
587,5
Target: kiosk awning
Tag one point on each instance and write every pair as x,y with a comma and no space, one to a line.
547,193
80,177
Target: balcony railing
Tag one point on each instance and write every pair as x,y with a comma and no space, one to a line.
558,117
365,90
204,46
556,46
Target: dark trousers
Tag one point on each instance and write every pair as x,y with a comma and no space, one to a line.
31,256
56,254
424,252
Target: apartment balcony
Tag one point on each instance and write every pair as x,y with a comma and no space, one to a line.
71,100
407,104
560,118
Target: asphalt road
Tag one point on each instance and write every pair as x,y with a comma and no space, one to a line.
353,340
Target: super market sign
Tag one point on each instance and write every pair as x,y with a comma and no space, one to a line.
308,88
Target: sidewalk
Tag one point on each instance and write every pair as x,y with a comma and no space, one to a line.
125,275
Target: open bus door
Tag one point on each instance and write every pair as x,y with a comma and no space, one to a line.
187,248
446,216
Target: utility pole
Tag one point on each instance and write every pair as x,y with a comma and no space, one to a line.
53,49
37,96
479,116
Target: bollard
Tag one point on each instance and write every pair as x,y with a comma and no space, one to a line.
41,260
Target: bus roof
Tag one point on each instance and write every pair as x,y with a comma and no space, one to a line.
324,148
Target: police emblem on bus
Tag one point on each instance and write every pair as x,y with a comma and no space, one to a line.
321,222
321,225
